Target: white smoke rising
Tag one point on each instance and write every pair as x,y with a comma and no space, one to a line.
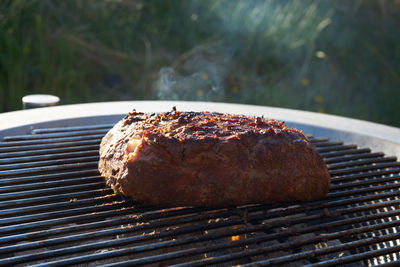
262,42
197,78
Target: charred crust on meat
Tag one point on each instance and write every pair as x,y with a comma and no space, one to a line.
203,126
131,120
114,171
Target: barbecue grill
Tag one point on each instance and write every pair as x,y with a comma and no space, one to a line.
56,210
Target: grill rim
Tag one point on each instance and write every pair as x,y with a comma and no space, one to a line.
337,128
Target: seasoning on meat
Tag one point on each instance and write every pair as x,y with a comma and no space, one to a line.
210,159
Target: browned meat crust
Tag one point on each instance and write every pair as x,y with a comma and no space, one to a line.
210,159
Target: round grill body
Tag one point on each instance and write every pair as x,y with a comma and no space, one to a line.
55,209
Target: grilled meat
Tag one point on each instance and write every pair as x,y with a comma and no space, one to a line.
210,159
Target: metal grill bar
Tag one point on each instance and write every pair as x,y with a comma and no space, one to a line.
338,248
48,157
344,152
354,157
60,182
49,198
182,253
191,239
372,189
48,136
93,181
363,217
360,256
54,206
35,148
366,182
40,192
62,167
52,184
49,151
377,189
299,210
70,129
365,175
299,243
360,162
326,143
365,168
52,198
46,177
316,140
58,214
156,215
119,242
52,140
98,215
48,162
110,222
335,148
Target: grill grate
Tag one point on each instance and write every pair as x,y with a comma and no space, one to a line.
56,210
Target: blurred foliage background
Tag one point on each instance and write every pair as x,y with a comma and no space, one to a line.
339,57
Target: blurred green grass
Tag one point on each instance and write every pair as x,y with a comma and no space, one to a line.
339,57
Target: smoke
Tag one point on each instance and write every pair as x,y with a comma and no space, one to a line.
200,76
264,42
